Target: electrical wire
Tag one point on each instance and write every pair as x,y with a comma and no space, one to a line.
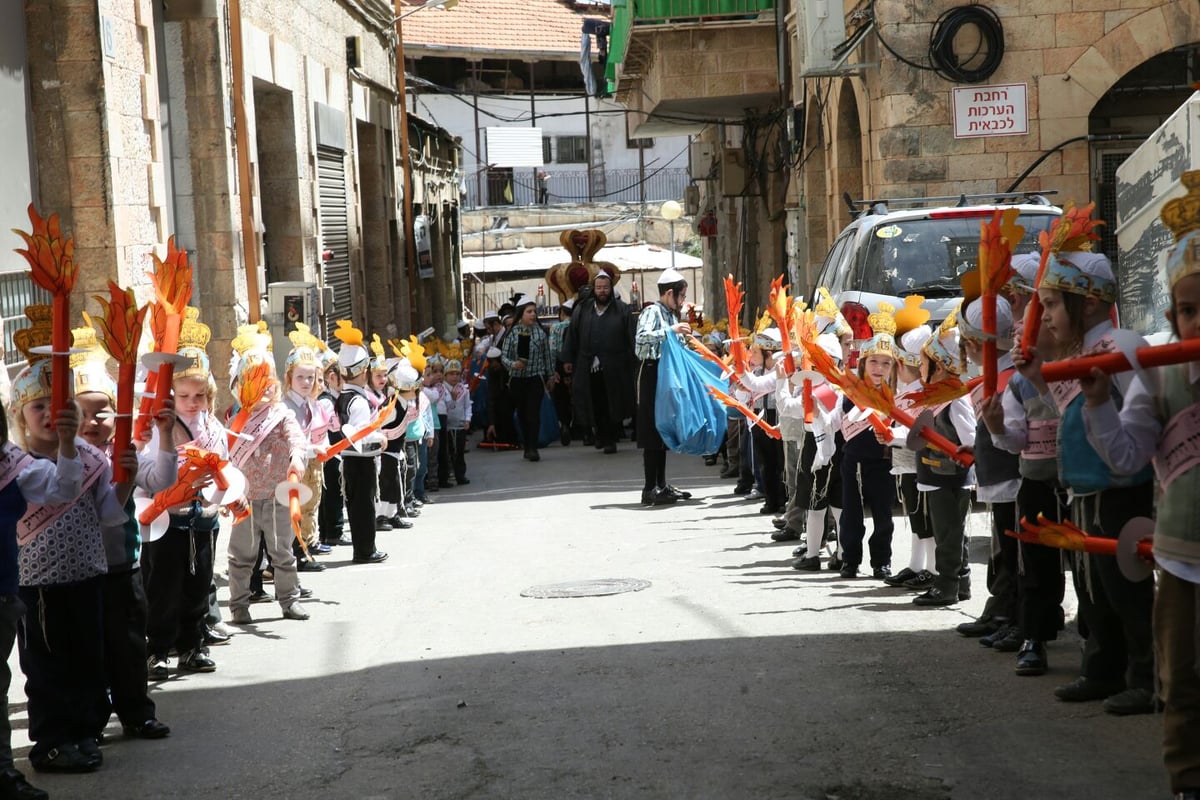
944,59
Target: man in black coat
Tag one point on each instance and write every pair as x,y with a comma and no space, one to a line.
598,354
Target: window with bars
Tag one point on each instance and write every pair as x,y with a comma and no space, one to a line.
638,144
547,150
572,149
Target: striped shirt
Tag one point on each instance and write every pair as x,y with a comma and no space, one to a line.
537,364
654,323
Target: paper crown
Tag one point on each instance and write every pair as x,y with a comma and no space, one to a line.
412,350
911,316
943,346
251,336
1082,273
194,337
378,359
33,381
1182,216
910,343
829,317
454,365
768,339
306,349
970,323
88,365
1024,277
403,376
883,325
354,356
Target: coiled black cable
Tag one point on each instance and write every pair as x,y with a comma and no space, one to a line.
941,43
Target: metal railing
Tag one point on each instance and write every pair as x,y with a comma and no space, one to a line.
16,292
602,186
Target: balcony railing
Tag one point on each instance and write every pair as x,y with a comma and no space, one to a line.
16,292
604,186
630,14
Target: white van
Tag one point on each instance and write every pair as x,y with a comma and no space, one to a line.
885,255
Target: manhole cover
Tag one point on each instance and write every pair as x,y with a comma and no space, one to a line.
593,588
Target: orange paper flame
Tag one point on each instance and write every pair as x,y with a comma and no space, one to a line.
172,278
733,305
121,323
707,355
939,393
51,257
255,382
737,405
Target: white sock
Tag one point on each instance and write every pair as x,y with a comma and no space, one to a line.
815,525
837,515
927,546
917,561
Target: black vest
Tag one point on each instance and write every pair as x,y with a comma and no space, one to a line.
935,468
993,465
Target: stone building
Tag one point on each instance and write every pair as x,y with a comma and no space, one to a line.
863,104
148,119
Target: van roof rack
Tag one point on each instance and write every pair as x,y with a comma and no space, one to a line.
883,205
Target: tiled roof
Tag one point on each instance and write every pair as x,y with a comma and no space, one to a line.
502,27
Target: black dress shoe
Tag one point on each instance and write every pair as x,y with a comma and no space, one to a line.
197,661
66,758
375,558
382,524
935,597
343,540
658,497
881,573
1130,702
785,535
212,638
461,481
834,564
981,627
609,449
807,564
1084,689
411,512
13,785
679,494
900,577
848,570
259,596
400,523
998,635
90,748
742,489
1011,643
305,593
308,565
150,729
533,456
1031,659
922,580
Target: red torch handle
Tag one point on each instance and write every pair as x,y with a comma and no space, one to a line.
1151,356
934,438
123,432
60,374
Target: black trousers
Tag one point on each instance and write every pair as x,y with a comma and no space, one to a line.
444,464
561,394
62,655
412,453
769,454
330,515
1116,612
390,488
877,493
914,506
527,397
458,449
1040,578
177,571
606,423
125,646
1002,584
12,613
500,404
358,476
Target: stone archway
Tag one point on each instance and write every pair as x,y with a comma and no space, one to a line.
1073,93
847,156
816,190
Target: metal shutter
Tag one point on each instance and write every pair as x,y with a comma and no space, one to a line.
1106,194
335,237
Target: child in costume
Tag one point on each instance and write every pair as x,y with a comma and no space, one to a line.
866,482
389,509
271,449
124,598
301,376
358,460
1077,292
331,514
945,482
61,568
458,420
762,384
913,335
177,562
1160,415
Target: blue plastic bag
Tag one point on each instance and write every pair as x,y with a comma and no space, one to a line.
688,418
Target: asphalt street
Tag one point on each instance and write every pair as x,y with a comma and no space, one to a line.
729,676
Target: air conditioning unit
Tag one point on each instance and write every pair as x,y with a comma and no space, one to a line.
700,160
733,172
822,28
691,200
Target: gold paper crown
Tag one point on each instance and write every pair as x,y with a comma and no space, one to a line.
884,320
40,333
1182,216
346,333
912,316
193,332
250,337
825,305
84,340
303,337
89,367
376,346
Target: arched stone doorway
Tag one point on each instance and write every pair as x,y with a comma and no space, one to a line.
816,192
848,156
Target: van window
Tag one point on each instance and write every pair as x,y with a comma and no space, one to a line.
834,271
927,256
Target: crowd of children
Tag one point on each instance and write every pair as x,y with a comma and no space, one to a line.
1078,452
105,583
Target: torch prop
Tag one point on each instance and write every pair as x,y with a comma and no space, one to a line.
52,266
996,242
255,382
121,325
381,418
172,279
737,346
293,494
197,464
737,405
1161,355
780,307
1133,547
